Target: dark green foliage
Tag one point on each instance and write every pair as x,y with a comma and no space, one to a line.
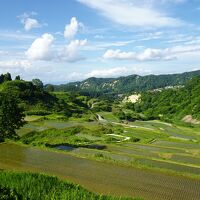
172,103
36,100
134,139
37,82
1,78
5,77
35,186
53,137
96,87
17,78
49,88
30,95
9,194
11,115
128,116
102,106
72,104
38,112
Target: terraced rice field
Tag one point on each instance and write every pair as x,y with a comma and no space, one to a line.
100,177
163,147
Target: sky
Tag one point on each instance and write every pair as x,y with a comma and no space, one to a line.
60,41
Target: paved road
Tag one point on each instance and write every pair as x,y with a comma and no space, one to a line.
100,177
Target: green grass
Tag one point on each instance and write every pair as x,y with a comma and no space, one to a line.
115,178
37,186
155,144
109,116
52,137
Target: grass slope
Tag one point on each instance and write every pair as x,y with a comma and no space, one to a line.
37,186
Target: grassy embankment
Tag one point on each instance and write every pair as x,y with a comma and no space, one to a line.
37,186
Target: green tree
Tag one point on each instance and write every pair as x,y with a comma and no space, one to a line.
1,78
49,88
37,82
11,115
7,77
17,77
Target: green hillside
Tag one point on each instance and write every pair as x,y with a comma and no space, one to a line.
36,100
132,83
171,103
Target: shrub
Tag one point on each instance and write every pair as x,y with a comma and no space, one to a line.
9,194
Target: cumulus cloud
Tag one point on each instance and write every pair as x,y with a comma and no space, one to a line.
116,72
41,48
151,54
70,53
132,13
15,63
108,72
118,54
72,29
28,22
155,54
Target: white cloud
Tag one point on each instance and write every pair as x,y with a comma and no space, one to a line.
103,73
15,64
72,29
28,22
155,54
71,51
116,72
107,72
150,54
41,48
132,13
3,53
118,54
16,35
172,1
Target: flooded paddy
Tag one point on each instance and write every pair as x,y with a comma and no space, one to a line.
99,177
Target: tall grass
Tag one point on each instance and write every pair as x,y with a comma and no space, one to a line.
37,186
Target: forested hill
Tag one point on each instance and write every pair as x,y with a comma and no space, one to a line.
171,103
132,83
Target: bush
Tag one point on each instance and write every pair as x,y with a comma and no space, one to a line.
9,194
38,112
1,139
36,186
134,139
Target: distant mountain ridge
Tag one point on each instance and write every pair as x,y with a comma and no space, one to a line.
128,84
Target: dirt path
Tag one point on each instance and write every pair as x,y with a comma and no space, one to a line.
100,177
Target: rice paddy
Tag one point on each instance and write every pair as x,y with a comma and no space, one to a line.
153,160
99,177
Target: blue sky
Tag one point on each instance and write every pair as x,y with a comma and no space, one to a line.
69,40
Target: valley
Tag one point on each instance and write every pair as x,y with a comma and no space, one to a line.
105,145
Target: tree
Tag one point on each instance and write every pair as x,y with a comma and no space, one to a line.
49,88
37,82
7,77
1,78
11,115
17,77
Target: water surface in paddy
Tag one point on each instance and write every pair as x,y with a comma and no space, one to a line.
65,147
97,176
